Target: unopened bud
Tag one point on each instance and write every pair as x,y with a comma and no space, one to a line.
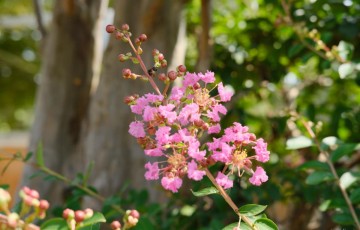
88,213
155,52
161,57
4,197
110,28
125,27
122,57
197,85
162,77
172,75
44,205
134,213
181,68
119,35
142,37
126,73
115,225
79,216
68,213
139,50
12,220
34,194
163,63
137,41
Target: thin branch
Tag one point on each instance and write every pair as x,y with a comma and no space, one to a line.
39,18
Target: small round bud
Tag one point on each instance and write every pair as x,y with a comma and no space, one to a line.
172,75
68,213
163,63
115,225
181,68
4,197
137,41
119,35
26,190
197,85
142,37
161,57
110,29
199,123
155,52
162,77
79,216
122,57
125,27
88,213
44,204
134,213
34,194
126,73
28,200
12,220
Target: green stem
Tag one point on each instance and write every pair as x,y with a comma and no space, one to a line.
228,199
333,171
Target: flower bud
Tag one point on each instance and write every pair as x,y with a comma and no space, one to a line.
163,63
110,29
79,216
142,37
181,68
122,57
155,52
134,213
172,75
115,225
162,77
119,35
68,213
34,194
197,85
12,220
44,205
126,73
88,213
125,27
137,41
161,57
4,197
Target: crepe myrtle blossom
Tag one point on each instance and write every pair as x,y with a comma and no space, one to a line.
169,128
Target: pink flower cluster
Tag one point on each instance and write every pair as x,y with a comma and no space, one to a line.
169,128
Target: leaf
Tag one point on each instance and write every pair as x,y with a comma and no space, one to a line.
355,196
40,156
346,70
318,177
317,165
343,218
347,179
187,210
94,220
251,209
298,142
342,150
345,50
265,224
7,165
28,156
295,49
90,227
327,142
325,205
243,226
5,186
56,223
205,192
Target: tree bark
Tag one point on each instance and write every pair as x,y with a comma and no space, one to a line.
117,157
62,99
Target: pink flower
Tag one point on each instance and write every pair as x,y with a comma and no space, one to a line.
216,144
194,173
171,183
194,152
208,77
239,133
153,152
190,79
149,113
139,106
166,112
214,113
162,135
176,94
152,98
258,177
214,129
262,154
190,113
152,172
136,129
225,94
224,155
224,181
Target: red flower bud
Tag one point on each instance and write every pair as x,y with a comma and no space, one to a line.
34,194
163,63
137,41
115,225
122,57
68,213
162,77
125,27
155,52
79,216
44,204
197,85
161,57
134,213
126,73
181,68
142,37
172,75
110,29
119,35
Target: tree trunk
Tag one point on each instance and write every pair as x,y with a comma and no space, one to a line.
117,157
62,100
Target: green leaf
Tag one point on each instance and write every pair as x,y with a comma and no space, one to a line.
347,179
251,209
355,196
343,218
298,142
93,222
345,50
265,224
317,165
90,227
40,156
325,205
346,70
205,191
5,186
318,177
28,156
342,150
295,49
56,223
243,226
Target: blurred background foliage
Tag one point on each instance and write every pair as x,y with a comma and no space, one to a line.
274,74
